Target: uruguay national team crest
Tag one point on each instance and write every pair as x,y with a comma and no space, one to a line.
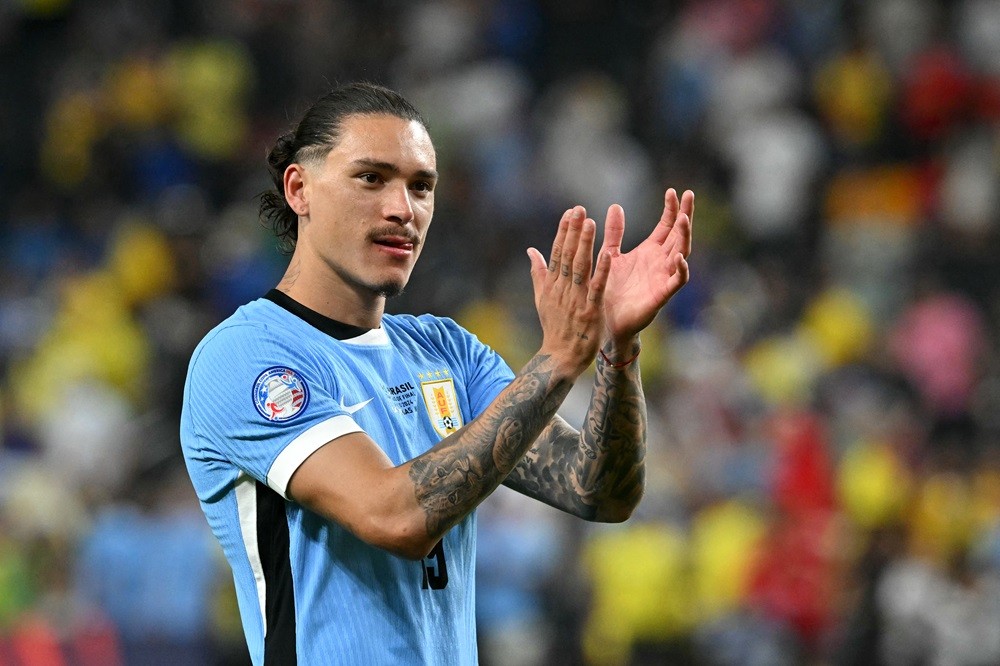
280,394
442,405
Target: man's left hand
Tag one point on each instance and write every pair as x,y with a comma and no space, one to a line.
643,280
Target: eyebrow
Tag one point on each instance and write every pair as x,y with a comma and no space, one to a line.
389,167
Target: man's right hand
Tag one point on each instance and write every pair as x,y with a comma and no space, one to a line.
569,300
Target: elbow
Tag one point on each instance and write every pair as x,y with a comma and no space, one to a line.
617,510
613,513
410,549
383,519
405,538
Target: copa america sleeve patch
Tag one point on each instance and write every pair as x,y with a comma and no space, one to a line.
280,394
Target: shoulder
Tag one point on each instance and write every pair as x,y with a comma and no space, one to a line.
428,325
441,333
253,328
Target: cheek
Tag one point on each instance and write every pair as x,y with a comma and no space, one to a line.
336,210
426,212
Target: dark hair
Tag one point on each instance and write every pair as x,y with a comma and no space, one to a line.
313,137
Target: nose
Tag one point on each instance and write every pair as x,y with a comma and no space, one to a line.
398,207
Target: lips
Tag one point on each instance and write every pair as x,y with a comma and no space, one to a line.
402,243
397,242
396,245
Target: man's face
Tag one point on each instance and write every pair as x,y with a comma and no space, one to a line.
370,203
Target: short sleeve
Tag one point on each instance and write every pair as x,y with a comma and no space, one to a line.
260,402
487,374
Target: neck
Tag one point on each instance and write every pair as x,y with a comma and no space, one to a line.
330,296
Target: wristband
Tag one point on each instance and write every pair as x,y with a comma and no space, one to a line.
621,364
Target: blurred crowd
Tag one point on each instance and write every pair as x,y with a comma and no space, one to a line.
823,481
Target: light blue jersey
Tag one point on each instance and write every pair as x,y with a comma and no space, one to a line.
267,388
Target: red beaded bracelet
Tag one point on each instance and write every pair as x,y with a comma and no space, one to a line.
621,364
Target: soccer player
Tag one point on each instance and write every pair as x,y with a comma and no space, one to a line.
339,452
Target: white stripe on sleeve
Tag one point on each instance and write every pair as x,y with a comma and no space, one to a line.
304,446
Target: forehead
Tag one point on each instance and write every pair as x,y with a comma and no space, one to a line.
384,138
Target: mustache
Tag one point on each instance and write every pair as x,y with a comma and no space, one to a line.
394,232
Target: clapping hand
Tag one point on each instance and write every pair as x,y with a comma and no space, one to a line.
641,281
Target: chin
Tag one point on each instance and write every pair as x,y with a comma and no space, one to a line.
389,289
382,285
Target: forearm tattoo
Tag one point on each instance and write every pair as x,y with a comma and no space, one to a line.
465,467
599,472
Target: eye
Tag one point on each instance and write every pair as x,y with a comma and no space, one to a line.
423,186
370,178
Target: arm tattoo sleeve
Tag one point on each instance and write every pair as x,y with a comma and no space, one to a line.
452,478
598,473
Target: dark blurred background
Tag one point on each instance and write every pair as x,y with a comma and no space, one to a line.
823,478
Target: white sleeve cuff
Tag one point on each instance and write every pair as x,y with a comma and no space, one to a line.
304,446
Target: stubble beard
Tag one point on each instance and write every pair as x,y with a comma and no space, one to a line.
389,289
379,285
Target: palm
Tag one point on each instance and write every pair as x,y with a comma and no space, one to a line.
643,280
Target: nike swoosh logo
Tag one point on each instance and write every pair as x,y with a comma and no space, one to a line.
350,409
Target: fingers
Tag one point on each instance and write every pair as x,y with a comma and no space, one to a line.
572,258
680,276
538,264
687,204
614,230
569,300
583,259
667,219
570,246
539,271
572,251
687,209
683,235
557,245
599,282
672,209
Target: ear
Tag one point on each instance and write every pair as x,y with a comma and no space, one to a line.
295,189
